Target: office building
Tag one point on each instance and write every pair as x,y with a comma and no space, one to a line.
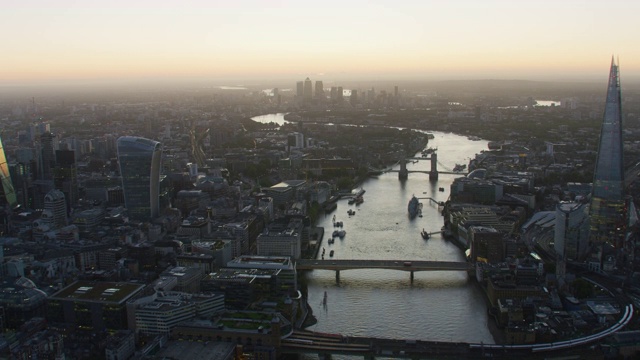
242,287
55,209
319,90
571,231
486,244
65,176
20,300
308,90
287,274
120,345
299,89
280,243
8,193
188,278
333,95
91,305
170,309
607,196
139,160
46,156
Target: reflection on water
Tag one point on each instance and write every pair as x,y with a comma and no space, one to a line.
440,306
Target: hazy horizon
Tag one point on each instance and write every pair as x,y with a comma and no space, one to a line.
69,42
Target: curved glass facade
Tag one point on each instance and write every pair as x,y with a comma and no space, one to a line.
139,160
5,179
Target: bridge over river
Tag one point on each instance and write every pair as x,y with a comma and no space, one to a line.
403,265
301,341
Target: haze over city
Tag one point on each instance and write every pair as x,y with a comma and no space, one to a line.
71,42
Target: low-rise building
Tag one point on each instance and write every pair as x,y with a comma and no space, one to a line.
172,308
92,306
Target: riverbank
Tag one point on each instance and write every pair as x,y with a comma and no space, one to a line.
382,230
316,235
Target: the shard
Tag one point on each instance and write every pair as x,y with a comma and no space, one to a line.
607,198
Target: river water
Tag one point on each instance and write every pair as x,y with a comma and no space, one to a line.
438,306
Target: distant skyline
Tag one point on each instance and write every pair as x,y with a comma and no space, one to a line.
103,41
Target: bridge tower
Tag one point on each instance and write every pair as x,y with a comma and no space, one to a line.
403,174
433,174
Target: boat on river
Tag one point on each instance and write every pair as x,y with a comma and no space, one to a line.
459,167
414,207
425,235
331,253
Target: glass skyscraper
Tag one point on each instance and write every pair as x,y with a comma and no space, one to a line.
607,198
7,191
139,160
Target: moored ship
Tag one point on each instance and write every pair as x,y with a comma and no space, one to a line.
414,207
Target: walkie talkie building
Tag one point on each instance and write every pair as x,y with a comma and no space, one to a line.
139,160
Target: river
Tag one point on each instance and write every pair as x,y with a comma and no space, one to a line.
438,306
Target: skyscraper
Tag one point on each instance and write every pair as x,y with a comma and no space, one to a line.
308,89
571,230
607,197
55,206
139,160
47,156
319,89
8,192
299,89
65,176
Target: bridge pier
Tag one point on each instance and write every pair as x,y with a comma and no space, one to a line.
403,174
411,276
337,275
369,357
433,174
324,356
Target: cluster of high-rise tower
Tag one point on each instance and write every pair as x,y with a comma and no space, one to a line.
50,182
306,93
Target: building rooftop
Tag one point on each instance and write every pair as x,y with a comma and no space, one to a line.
187,350
110,292
248,260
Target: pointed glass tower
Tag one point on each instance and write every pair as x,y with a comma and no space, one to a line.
607,197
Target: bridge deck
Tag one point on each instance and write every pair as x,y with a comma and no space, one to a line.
405,265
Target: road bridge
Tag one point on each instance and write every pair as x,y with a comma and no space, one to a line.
403,265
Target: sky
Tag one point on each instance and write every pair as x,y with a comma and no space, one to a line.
239,40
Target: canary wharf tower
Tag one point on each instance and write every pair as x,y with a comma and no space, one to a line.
607,197
139,160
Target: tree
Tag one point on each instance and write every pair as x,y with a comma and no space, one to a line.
583,288
344,183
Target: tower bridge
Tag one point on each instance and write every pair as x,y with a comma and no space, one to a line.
403,173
